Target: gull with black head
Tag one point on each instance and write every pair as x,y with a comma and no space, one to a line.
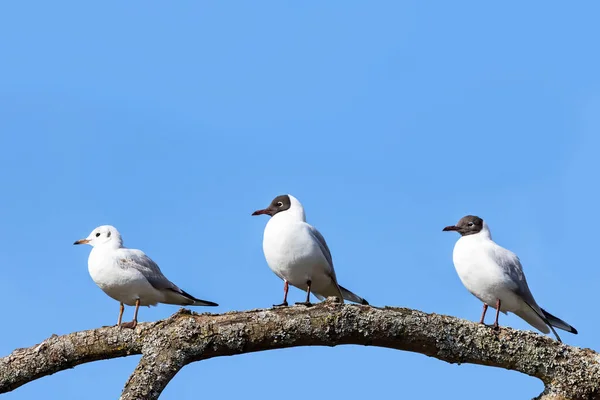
298,254
495,276
130,276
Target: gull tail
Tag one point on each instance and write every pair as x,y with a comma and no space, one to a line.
537,315
533,317
558,323
348,295
183,298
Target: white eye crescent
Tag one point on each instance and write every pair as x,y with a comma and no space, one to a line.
279,204
471,224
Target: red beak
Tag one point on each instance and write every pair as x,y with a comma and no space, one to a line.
260,212
450,228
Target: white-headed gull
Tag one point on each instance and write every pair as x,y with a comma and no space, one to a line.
130,276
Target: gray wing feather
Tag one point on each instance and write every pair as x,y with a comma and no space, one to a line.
324,248
136,259
511,264
345,293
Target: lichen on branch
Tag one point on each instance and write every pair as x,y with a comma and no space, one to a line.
185,337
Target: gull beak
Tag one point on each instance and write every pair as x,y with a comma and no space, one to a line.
82,241
450,228
260,212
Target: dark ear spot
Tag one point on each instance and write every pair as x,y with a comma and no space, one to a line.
108,234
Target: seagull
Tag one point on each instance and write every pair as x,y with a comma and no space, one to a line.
130,276
298,254
495,276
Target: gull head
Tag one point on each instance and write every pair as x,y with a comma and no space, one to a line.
286,204
468,225
105,235
279,203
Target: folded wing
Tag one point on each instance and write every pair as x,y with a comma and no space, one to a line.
138,260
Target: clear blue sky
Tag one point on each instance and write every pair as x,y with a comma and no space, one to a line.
389,120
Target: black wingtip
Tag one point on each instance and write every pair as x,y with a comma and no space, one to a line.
199,301
205,303
364,302
573,331
557,322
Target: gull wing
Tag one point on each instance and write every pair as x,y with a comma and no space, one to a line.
137,259
511,265
324,248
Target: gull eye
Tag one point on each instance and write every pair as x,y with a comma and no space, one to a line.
97,234
471,224
279,204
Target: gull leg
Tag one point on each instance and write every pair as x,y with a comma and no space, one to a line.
496,326
485,307
121,309
133,324
285,292
555,334
307,303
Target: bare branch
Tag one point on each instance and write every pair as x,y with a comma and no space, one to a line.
567,372
58,353
153,373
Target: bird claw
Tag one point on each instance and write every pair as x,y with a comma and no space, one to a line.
129,325
304,303
284,304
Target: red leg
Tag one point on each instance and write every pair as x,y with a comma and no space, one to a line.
133,323
285,292
121,309
497,313
485,307
307,302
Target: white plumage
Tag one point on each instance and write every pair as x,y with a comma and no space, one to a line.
130,276
297,252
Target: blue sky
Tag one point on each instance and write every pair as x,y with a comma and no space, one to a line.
389,120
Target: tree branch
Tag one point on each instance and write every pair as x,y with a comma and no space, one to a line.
567,372
58,353
153,373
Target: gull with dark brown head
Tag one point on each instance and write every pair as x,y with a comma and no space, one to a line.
298,254
495,276
130,276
